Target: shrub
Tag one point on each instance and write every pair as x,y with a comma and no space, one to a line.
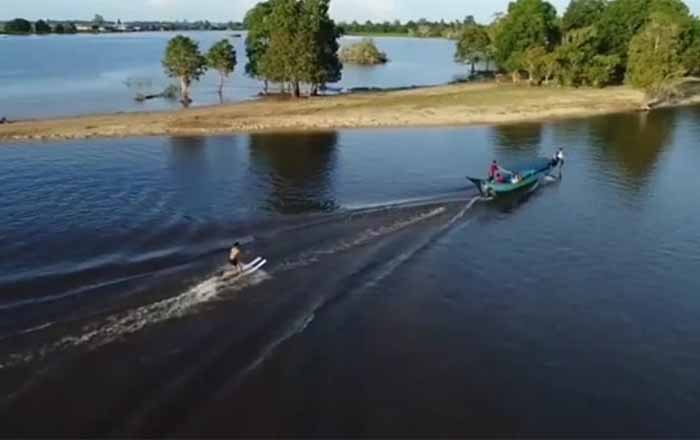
363,52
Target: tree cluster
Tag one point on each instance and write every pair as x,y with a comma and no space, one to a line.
184,61
422,28
293,42
646,43
20,26
363,52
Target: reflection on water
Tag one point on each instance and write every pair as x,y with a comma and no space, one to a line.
582,292
298,169
518,138
633,142
187,150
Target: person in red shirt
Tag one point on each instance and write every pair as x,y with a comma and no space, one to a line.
493,171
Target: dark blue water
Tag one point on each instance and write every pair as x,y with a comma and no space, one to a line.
59,75
391,303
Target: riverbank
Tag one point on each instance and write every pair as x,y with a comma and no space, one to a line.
460,104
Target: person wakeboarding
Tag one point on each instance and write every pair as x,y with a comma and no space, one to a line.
234,257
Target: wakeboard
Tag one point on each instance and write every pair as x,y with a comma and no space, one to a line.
247,270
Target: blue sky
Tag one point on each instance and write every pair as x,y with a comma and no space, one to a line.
225,10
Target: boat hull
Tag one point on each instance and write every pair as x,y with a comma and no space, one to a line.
505,188
530,175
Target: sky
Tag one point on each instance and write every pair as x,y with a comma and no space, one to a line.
227,10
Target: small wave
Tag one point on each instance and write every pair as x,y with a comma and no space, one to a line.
51,298
395,263
361,239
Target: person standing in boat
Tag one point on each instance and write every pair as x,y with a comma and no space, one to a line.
558,160
560,157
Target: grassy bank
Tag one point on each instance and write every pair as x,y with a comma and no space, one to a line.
436,106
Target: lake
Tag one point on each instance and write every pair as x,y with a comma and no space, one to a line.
62,75
393,301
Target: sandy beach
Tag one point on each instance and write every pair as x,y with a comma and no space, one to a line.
465,104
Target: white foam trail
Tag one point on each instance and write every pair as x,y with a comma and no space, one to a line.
134,320
394,263
361,239
301,324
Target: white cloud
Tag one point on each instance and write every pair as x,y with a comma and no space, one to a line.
362,10
160,3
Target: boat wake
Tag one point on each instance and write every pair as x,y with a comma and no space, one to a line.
402,258
132,321
116,326
303,322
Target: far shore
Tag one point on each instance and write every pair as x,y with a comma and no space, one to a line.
453,105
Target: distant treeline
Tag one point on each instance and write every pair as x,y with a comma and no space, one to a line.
21,26
421,28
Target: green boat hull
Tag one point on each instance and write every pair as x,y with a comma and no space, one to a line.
505,188
530,175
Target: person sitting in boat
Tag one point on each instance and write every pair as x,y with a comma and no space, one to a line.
234,257
515,178
493,170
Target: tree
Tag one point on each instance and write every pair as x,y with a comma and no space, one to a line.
257,21
529,23
575,54
533,61
286,57
657,53
18,26
473,46
222,58
98,20
59,29
550,65
41,27
71,29
293,42
623,19
184,61
601,70
324,64
582,13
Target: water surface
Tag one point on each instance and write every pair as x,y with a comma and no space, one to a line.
392,303
62,75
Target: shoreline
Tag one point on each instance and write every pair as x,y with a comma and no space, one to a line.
450,105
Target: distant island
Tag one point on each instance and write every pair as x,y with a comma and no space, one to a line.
363,52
